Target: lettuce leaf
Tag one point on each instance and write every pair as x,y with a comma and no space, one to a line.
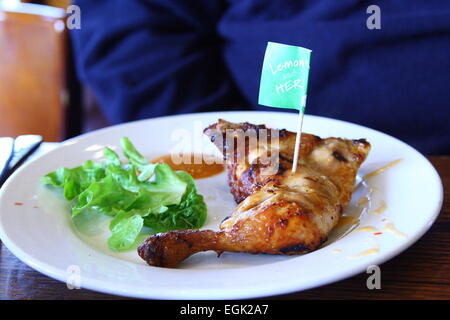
145,168
135,194
125,228
189,214
74,181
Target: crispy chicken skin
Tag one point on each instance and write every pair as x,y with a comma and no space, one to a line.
278,212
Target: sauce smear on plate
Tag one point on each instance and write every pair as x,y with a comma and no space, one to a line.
197,169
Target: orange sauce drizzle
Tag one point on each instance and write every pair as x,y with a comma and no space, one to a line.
382,169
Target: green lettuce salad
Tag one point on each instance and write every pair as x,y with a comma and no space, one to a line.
136,194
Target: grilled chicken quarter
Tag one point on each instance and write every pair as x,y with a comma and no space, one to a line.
278,212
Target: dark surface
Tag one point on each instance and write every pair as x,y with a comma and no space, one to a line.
421,272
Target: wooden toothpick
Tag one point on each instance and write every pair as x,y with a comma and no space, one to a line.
298,138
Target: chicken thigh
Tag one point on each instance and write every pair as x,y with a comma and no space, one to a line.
278,211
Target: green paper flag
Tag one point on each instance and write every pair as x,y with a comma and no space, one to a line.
284,77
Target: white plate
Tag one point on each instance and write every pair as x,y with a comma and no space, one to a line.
42,235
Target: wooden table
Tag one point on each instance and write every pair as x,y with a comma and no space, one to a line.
421,272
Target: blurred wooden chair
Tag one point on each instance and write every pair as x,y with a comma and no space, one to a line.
39,93
57,3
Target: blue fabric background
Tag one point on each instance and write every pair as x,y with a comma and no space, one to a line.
148,58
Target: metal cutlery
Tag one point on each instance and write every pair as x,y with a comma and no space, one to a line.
6,153
13,152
